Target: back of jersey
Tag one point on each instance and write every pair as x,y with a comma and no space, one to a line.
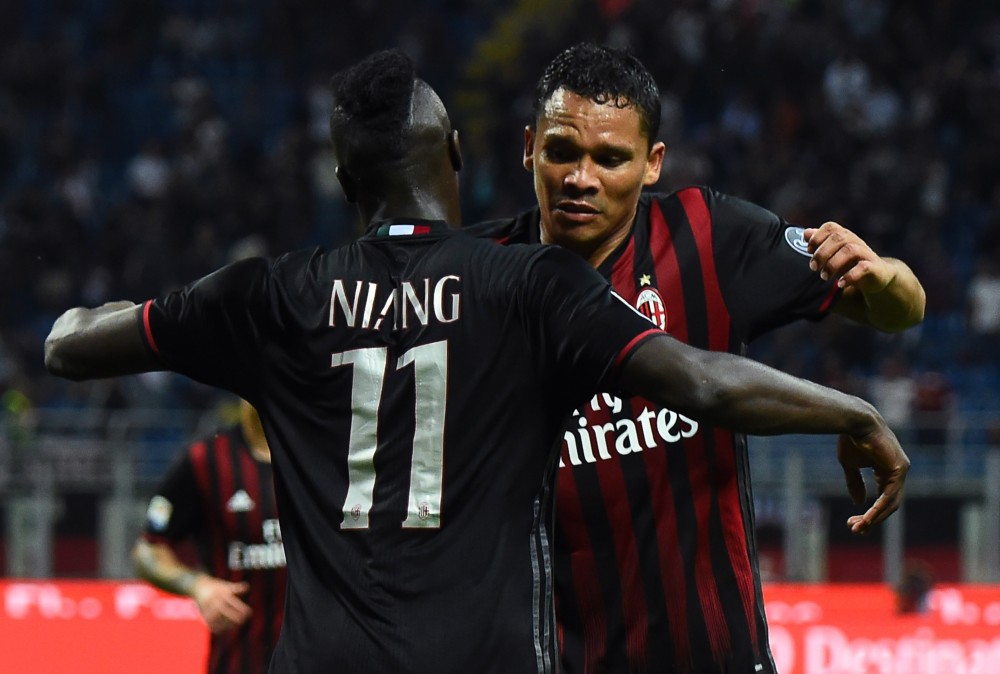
412,386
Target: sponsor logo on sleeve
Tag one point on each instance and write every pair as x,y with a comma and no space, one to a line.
795,237
158,513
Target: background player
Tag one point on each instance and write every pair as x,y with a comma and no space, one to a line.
656,561
411,385
220,495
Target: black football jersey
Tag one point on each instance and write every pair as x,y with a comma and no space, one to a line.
413,386
656,562
220,497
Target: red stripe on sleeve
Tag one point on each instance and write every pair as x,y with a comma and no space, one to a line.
633,343
146,329
829,299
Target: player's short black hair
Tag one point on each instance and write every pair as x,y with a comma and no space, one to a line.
604,75
372,103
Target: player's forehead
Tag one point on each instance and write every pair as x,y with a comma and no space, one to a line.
567,116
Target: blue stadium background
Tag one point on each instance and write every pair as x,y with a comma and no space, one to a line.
144,143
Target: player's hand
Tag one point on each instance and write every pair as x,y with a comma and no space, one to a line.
220,604
838,253
880,451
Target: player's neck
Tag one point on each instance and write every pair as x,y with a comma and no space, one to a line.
594,252
415,203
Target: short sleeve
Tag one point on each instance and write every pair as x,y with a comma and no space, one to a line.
588,332
212,330
763,267
174,513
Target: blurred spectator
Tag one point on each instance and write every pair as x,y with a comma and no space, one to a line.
932,406
983,301
914,588
149,173
893,391
131,133
846,87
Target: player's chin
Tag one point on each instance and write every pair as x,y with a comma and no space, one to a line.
580,227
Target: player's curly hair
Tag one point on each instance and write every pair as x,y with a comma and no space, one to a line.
604,75
372,102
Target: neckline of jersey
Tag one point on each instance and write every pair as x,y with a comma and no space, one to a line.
407,227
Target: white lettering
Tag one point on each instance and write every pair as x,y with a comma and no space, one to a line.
271,530
647,429
782,647
410,299
369,304
628,435
407,305
251,556
339,299
588,451
627,441
439,296
829,651
666,428
825,649
390,305
601,435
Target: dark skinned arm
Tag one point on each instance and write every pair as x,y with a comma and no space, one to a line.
720,389
101,342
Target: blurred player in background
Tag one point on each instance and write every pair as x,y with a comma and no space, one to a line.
412,386
656,566
220,496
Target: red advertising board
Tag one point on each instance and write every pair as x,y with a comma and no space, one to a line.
855,629
98,628
128,627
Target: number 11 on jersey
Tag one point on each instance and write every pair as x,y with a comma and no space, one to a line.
430,375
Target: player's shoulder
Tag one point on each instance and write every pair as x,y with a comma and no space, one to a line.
543,264
235,277
216,440
687,194
706,205
297,261
522,228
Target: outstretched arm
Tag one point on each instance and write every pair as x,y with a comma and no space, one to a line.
879,291
102,342
721,389
218,600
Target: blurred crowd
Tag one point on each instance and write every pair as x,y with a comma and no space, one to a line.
144,143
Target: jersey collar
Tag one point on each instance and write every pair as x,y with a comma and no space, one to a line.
407,227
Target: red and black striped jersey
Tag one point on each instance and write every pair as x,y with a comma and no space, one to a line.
656,566
413,387
220,497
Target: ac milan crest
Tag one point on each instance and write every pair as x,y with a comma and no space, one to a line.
650,304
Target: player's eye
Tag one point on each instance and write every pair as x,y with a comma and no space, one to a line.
560,154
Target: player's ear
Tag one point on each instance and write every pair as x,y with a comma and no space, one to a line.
654,163
455,150
348,184
529,149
